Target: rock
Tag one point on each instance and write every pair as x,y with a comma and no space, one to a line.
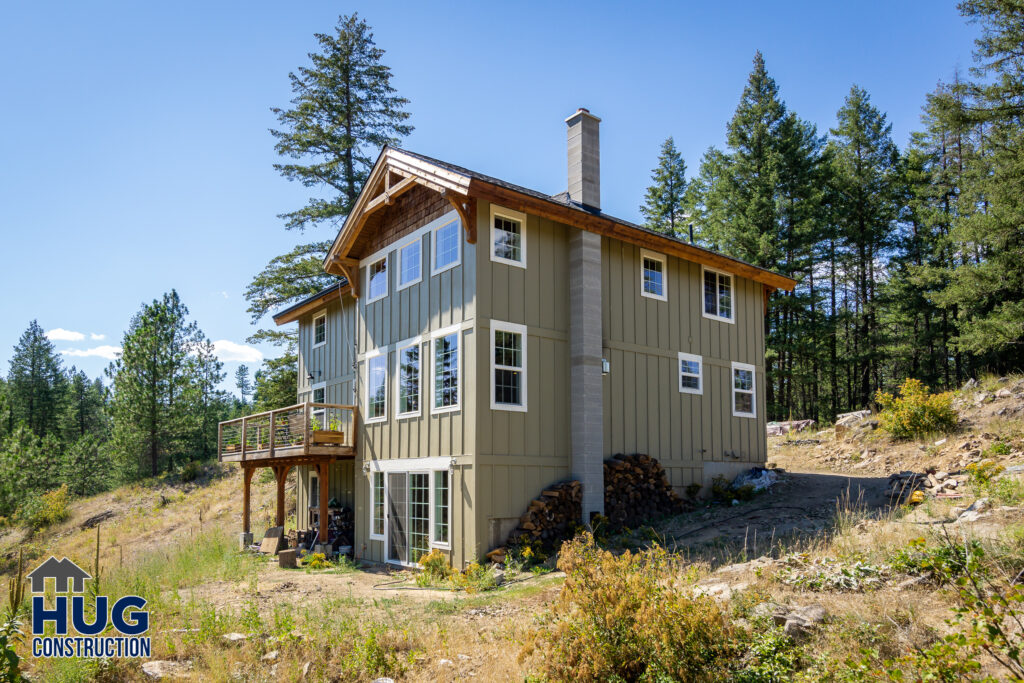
270,656
446,662
910,583
1004,393
551,562
463,656
970,384
794,628
982,397
940,442
941,475
305,669
499,577
950,484
383,680
235,637
768,609
161,668
813,614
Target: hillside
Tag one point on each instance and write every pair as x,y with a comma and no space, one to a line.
825,576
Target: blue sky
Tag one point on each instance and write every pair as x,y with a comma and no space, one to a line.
135,155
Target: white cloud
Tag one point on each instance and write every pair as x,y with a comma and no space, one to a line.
60,334
97,337
105,351
232,351
225,295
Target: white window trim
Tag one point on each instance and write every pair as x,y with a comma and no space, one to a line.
419,278
317,316
732,287
433,542
434,336
654,256
382,351
312,399
498,211
753,388
399,348
384,482
433,247
387,277
700,373
515,328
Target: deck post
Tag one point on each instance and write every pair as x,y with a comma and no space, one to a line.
247,477
244,435
306,413
273,429
323,469
220,440
281,474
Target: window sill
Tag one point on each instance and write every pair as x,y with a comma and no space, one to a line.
446,409
509,407
508,262
659,297
719,318
696,392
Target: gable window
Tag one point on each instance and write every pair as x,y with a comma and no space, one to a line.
652,275
508,237
717,295
377,387
377,280
441,509
446,246
409,379
743,390
446,371
508,366
320,330
691,380
410,264
377,520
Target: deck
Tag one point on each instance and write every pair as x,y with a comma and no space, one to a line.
300,431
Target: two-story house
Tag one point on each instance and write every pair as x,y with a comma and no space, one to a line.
493,339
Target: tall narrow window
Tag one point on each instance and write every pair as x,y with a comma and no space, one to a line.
652,275
419,515
377,280
446,246
743,393
508,366
319,414
717,295
441,508
409,379
690,374
446,372
508,239
376,387
410,264
377,523
319,330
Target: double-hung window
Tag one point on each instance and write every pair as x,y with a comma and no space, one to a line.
440,532
409,373
508,366
319,330
377,520
718,295
653,271
446,242
319,414
377,280
743,390
410,263
446,370
508,237
691,374
377,386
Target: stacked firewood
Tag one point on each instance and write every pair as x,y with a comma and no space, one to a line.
636,490
550,518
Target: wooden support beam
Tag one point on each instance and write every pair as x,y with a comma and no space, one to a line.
280,475
466,208
247,473
323,470
387,197
350,269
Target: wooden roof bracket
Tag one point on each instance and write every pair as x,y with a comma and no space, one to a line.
466,208
350,269
768,291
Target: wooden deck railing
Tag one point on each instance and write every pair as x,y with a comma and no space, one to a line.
300,429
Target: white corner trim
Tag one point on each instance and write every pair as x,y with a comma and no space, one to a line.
499,211
433,247
516,328
753,388
732,289
700,373
661,258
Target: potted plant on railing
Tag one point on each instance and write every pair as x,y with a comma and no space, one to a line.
333,434
232,444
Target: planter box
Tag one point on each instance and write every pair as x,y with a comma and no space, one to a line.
328,436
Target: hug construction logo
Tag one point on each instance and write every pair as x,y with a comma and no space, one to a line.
89,635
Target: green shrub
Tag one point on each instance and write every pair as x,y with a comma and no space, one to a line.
436,570
317,561
476,578
916,412
191,471
942,563
998,448
39,512
625,618
771,656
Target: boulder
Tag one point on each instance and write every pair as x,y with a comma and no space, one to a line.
286,559
161,668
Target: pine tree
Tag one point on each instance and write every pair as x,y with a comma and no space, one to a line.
84,407
663,205
85,467
36,382
276,383
243,383
209,401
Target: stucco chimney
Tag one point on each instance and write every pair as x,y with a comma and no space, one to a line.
585,158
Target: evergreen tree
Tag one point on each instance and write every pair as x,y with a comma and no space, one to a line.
210,402
663,206
276,383
36,382
85,468
84,407
243,383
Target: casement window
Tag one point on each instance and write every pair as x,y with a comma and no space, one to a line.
377,519
410,263
446,370
691,374
377,280
319,414
419,515
446,241
508,237
718,295
508,366
743,390
377,386
442,509
319,330
409,374
653,272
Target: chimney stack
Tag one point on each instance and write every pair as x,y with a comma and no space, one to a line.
584,158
